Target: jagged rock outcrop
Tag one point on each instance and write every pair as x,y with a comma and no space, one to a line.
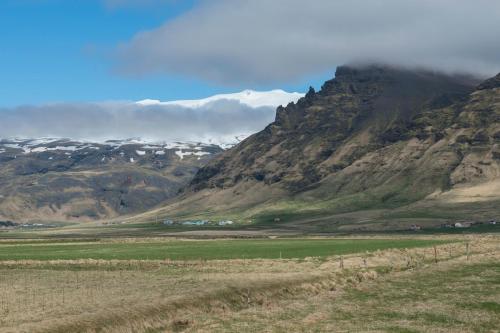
362,109
374,137
492,83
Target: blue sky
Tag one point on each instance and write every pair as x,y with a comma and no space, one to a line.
61,59
59,51
101,50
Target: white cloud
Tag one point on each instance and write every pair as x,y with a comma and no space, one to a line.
217,120
262,41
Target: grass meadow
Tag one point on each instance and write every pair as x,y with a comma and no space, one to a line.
199,249
244,285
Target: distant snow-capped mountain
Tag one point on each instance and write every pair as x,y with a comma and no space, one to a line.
222,120
252,98
96,175
47,144
63,179
139,147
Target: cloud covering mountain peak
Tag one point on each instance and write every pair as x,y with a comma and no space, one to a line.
238,42
221,119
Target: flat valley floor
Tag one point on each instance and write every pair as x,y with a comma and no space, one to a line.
370,284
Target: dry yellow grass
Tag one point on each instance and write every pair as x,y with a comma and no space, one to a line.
202,296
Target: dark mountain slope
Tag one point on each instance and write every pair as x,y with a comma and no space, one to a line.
315,137
396,142
64,180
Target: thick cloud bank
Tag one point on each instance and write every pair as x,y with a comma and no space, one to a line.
218,122
262,41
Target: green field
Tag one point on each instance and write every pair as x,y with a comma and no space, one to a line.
201,249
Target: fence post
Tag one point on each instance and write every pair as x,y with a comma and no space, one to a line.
435,254
341,262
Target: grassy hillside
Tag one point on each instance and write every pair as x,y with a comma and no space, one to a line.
373,139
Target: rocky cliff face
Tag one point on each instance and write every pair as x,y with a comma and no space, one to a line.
492,83
372,138
359,111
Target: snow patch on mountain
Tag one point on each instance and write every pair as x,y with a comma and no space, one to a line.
131,149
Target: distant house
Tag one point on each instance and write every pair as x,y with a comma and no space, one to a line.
415,227
277,219
168,222
462,225
493,222
225,222
198,223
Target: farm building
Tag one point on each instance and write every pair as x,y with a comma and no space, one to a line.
201,222
225,222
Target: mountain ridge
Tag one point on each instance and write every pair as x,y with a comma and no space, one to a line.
372,138
68,180
349,104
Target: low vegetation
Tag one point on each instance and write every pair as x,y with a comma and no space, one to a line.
453,296
135,286
157,249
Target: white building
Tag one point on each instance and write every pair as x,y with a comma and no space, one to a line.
225,222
